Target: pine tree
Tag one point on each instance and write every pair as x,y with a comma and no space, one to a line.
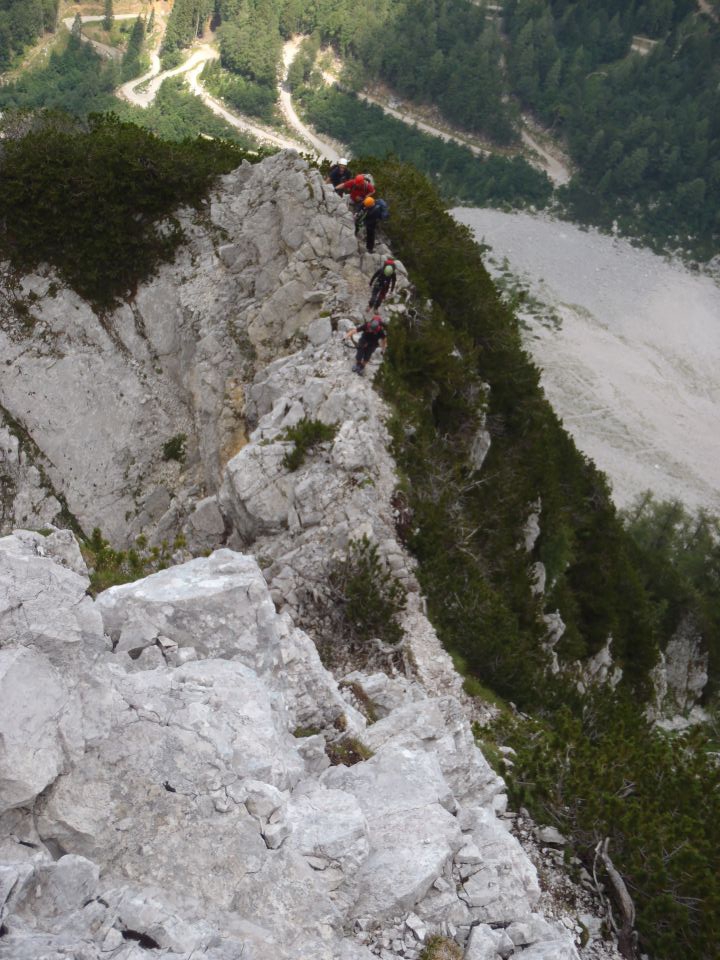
151,21
108,21
131,64
76,30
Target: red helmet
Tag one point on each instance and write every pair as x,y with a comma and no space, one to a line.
375,323
359,180
389,260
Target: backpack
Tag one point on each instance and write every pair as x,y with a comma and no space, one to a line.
369,179
382,209
374,326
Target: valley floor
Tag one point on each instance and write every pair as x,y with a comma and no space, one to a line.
632,369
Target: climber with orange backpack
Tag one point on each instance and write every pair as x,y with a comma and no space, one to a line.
372,333
382,282
369,216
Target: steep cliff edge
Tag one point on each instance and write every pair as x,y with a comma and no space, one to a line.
93,399
173,779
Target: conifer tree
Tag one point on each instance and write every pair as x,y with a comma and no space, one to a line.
108,21
131,63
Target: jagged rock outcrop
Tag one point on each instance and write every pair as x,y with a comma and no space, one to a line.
170,806
679,680
169,780
93,399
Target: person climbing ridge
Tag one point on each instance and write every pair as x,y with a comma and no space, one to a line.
339,173
382,282
362,212
370,215
372,333
358,187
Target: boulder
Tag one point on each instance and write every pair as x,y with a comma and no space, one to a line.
40,725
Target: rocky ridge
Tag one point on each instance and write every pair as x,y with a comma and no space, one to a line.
166,785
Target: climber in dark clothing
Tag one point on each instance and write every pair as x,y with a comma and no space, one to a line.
339,173
369,216
382,282
372,333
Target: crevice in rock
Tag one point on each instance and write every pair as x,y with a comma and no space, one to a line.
168,787
28,843
55,849
142,938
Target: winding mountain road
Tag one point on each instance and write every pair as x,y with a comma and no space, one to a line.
263,134
326,150
110,53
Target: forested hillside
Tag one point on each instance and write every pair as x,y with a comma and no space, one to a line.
644,131
21,22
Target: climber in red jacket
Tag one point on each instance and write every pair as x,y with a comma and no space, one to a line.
358,188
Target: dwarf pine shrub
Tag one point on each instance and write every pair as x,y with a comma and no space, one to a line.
370,597
305,435
96,200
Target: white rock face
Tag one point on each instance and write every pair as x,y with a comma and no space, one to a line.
39,725
165,789
172,805
679,680
172,361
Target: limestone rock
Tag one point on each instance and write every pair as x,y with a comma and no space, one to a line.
44,603
40,725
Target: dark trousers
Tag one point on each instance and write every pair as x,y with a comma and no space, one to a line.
365,349
370,235
379,292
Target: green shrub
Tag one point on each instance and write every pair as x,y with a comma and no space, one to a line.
301,732
174,448
607,773
306,435
109,567
371,598
442,948
347,752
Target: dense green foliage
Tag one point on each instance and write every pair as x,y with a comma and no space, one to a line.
468,528
643,131
678,557
21,22
74,79
133,62
461,176
246,96
605,773
98,202
592,766
442,52
178,114
187,20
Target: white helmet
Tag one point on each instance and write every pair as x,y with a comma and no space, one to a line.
342,162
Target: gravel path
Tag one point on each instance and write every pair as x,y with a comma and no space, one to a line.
633,369
324,149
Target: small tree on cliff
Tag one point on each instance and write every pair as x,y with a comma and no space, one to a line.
108,21
131,64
